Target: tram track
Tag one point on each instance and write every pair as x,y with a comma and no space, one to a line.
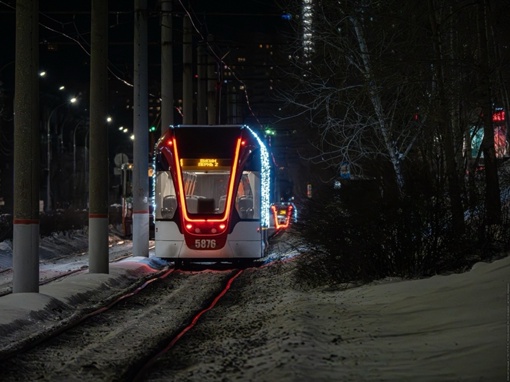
63,266
144,369
146,329
121,340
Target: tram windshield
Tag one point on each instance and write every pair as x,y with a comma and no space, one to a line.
205,184
205,173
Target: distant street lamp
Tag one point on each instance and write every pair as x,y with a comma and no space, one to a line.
48,153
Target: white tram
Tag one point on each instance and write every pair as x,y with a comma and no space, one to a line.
211,194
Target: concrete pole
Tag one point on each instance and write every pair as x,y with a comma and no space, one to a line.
202,86
211,88
98,134
187,76
26,150
141,131
49,205
167,67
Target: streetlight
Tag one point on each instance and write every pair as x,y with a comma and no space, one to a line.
48,153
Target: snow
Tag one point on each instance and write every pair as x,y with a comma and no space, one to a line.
444,328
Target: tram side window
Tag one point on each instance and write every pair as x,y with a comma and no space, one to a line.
166,201
248,198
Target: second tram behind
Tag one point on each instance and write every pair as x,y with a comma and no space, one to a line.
212,194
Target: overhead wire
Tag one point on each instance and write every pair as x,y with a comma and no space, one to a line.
193,20
75,40
222,62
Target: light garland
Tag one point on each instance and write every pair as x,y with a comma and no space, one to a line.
153,196
265,181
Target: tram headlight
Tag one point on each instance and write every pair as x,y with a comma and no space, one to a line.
205,228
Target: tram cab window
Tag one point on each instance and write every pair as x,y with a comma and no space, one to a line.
204,191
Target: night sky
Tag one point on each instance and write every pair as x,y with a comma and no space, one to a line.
65,36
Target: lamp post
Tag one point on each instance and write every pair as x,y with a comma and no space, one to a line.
48,153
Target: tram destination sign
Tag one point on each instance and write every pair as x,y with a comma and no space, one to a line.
206,163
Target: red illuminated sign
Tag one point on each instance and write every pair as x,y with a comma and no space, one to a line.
498,116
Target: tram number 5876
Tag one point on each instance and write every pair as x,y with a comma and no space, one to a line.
205,243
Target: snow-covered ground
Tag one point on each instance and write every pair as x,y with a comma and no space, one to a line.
444,328
60,253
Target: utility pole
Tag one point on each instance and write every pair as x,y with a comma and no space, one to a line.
141,131
211,87
187,78
202,85
167,66
26,150
49,205
98,135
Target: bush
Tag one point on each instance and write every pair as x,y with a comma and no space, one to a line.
356,235
62,221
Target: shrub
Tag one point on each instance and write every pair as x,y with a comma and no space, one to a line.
357,235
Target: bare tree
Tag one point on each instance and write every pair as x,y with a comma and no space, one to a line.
492,194
401,84
359,88
444,122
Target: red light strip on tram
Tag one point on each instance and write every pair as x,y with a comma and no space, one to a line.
287,220
230,186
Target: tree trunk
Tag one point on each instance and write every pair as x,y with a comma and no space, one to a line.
377,104
454,189
492,192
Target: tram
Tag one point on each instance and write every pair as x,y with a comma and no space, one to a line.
211,194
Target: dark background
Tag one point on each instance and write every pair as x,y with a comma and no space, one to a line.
64,35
